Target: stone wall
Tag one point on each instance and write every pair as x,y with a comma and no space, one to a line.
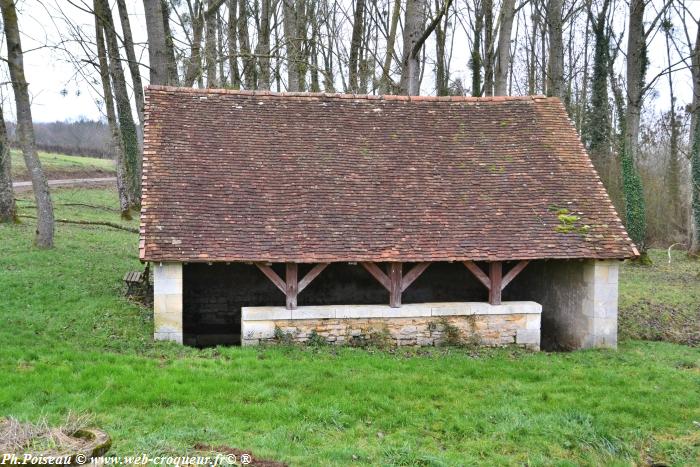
427,324
579,301
167,302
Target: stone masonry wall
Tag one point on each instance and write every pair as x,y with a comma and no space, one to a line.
515,323
167,302
579,301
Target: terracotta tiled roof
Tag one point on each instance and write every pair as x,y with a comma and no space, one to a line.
259,176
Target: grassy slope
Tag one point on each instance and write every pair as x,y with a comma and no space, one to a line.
69,343
63,166
661,302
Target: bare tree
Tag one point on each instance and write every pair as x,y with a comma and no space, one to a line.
295,20
244,41
414,37
488,47
231,34
8,210
637,64
695,152
160,61
131,57
210,52
385,84
476,60
358,27
262,50
555,75
25,128
117,145
127,126
413,27
672,175
503,51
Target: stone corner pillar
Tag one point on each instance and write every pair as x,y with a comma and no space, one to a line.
599,306
167,302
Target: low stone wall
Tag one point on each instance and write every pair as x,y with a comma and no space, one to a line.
424,324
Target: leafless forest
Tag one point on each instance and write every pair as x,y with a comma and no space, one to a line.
628,73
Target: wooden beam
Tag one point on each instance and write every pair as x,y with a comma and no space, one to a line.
378,274
292,290
395,276
496,280
412,275
514,272
272,275
478,273
311,275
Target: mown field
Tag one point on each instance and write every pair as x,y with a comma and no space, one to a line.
63,166
70,344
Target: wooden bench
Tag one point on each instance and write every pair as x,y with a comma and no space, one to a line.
134,281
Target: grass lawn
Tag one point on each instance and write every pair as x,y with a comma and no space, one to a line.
661,302
69,343
57,166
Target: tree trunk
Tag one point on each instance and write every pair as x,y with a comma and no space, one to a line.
597,126
294,23
555,78
244,41
8,210
157,47
117,145
636,71
532,61
695,153
131,57
127,127
210,44
262,50
25,127
385,84
413,27
355,45
476,51
169,45
193,70
488,47
503,52
313,48
442,69
231,33
220,53
673,172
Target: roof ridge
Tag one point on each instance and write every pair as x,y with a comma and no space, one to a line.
369,97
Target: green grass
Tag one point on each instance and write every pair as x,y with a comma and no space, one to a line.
69,343
63,166
661,302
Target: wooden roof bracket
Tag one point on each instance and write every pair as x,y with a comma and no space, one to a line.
395,281
495,281
291,286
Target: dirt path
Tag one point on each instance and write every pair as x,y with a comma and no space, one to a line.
26,186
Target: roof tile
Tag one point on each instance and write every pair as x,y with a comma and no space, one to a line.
261,176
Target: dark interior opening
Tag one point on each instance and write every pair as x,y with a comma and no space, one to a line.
214,294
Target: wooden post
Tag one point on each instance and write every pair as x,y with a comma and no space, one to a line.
495,279
395,276
292,285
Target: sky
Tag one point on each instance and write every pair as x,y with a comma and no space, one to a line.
59,92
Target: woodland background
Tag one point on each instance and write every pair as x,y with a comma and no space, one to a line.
628,73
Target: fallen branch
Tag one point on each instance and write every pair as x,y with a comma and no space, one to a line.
671,248
92,206
105,224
